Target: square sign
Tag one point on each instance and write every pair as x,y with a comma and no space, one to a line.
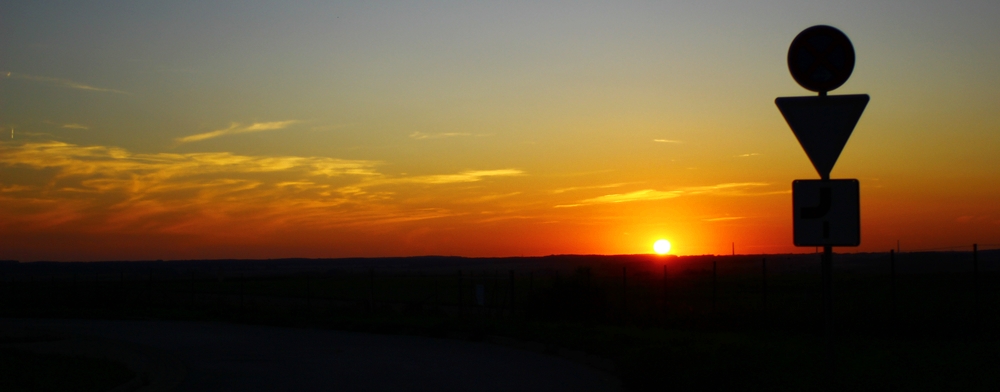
826,212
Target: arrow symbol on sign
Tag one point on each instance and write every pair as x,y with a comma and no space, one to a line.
823,124
819,211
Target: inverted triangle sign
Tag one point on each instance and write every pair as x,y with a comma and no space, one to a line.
823,124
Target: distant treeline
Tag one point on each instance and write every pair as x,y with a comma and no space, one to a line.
919,262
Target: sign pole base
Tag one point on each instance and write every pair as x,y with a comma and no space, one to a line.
827,266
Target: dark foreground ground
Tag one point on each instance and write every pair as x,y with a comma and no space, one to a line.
916,321
206,356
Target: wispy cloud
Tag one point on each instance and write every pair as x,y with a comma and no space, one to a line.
434,179
113,190
505,218
115,163
17,188
972,218
724,218
580,188
727,189
752,154
421,135
645,194
63,83
486,198
667,141
466,176
236,128
74,126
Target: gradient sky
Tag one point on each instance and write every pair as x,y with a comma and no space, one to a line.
171,130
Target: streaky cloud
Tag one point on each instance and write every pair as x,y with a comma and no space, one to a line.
645,194
112,162
486,198
724,218
236,128
732,188
113,190
726,189
421,135
63,83
434,179
580,188
466,176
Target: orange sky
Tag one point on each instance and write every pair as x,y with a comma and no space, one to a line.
235,131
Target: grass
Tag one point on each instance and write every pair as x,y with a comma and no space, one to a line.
27,371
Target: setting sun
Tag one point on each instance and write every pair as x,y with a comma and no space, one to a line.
661,247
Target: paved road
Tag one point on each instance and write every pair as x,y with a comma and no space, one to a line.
230,357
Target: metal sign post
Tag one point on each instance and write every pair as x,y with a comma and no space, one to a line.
825,212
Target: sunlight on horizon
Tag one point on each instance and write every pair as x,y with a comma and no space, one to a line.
661,247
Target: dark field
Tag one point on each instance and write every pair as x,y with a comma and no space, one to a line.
24,370
659,322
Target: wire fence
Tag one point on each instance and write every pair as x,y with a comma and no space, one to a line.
957,248
927,290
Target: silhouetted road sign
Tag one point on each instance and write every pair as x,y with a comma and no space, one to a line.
821,58
827,212
823,124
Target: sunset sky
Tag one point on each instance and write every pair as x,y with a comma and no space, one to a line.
238,129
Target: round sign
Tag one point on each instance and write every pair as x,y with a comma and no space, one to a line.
821,58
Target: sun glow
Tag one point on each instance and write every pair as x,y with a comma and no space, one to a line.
661,247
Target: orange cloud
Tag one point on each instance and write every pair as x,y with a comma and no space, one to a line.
731,189
108,189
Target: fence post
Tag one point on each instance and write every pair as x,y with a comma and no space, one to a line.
242,282
665,292
975,278
510,313
149,291
192,289
497,304
15,293
531,283
715,283
624,294
763,273
371,289
121,289
892,280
